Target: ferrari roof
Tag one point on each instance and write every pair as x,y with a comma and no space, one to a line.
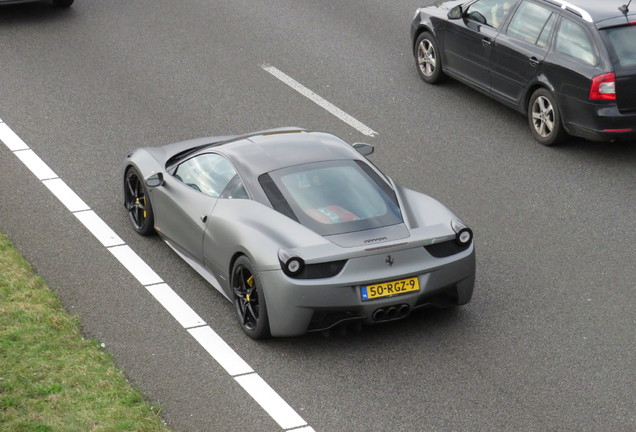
269,151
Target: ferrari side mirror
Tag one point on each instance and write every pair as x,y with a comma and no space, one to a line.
363,148
155,180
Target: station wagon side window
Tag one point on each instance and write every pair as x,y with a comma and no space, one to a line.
489,12
572,40
211,174
532,23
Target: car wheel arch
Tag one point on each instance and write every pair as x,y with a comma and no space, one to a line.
235,257
540,82
420,30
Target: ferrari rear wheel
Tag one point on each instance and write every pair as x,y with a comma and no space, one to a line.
137,202
249,300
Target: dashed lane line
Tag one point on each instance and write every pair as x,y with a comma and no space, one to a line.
279,410
320,101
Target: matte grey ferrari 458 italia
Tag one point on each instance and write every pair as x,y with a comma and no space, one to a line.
299,230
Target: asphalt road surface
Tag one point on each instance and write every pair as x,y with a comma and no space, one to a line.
548,342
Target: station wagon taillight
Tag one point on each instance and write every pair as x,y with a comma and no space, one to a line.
603,87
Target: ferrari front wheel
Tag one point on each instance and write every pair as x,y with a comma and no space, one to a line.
137,202
249,300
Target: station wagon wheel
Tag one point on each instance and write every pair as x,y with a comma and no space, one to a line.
544,118
428,60
249,300
137,202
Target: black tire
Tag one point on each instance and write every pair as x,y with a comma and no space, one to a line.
428,59
544,118
62,3
137,202
249,300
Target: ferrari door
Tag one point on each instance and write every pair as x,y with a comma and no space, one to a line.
184,203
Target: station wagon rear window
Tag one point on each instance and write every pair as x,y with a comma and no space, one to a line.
333,197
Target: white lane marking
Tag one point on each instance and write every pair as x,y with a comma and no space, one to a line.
222,353
270,401
66,195
351,121
135,265
10,139
279,410
35,164
98,228
179,309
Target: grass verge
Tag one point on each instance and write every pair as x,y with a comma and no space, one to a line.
51,378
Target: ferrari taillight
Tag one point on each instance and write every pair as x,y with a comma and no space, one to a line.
603,87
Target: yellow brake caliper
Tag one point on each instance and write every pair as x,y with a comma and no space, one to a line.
250,282
139,202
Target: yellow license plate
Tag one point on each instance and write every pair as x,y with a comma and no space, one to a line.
387,289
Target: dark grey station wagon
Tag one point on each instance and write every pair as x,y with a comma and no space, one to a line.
570,66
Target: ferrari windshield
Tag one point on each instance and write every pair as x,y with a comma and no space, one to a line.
333,197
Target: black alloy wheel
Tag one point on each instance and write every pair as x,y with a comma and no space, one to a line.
544,118
137,203
249,301
428,60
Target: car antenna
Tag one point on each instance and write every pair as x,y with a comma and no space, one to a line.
625,8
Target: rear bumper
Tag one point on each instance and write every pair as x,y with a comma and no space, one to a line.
597,121
297,306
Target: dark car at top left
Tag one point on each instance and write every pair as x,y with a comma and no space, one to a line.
58,3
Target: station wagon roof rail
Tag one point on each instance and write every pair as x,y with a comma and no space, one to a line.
576,9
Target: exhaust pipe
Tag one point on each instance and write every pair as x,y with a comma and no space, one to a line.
391,313
404,310
379,315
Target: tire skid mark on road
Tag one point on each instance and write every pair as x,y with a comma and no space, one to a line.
279,410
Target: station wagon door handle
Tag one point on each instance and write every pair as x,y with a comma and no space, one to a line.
486,41
534,62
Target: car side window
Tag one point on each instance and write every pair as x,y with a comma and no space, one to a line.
489,12
622,42
532,23
235,189
209,173
572,40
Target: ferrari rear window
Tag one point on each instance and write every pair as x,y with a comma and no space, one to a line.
333,197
